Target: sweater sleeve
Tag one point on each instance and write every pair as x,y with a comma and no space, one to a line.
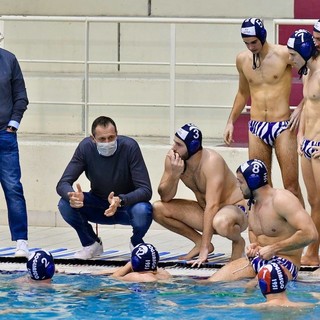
142,186
19,93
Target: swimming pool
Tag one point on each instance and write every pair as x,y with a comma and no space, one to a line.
97,297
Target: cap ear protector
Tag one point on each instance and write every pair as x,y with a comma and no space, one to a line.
194,146
191,135
255,173
316,26
254,27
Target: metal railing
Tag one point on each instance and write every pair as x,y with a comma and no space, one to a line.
278,22
172,63
86,62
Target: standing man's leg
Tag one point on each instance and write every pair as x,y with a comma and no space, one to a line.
10,175
311,174
286,152
260,150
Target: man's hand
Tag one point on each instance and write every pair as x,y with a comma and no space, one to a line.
114,204
316,153
228,134
177,164
203,257
299,144
252,250
266,253
295,118
76,198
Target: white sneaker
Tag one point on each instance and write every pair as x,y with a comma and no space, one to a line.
89,252
22,249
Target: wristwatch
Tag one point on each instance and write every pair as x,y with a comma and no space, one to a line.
12,128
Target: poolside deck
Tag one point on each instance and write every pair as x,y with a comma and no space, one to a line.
63,242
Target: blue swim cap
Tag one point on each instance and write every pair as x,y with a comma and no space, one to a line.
302,42
40,265
144,257
316,26
255,173
191,135
254,27
272,279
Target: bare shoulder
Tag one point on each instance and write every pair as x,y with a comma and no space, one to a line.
213,157
284,195
163,274
281,51
242,57
285,201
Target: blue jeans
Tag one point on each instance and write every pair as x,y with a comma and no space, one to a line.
10,175
139,216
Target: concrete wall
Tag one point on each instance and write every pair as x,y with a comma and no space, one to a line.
43,162
176,8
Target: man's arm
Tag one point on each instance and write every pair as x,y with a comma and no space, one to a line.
19,95
239,103
300,134
173,169
121,272
142,185
214,175
295,117
125,273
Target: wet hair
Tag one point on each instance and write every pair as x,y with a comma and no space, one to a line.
144,257
102,121
191,135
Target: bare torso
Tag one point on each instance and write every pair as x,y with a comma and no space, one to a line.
270,228
311,94
270,84
197,178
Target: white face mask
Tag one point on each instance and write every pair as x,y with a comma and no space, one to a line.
107,149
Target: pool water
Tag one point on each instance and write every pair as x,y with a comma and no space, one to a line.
97,297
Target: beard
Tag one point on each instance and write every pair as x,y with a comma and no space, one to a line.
246,193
